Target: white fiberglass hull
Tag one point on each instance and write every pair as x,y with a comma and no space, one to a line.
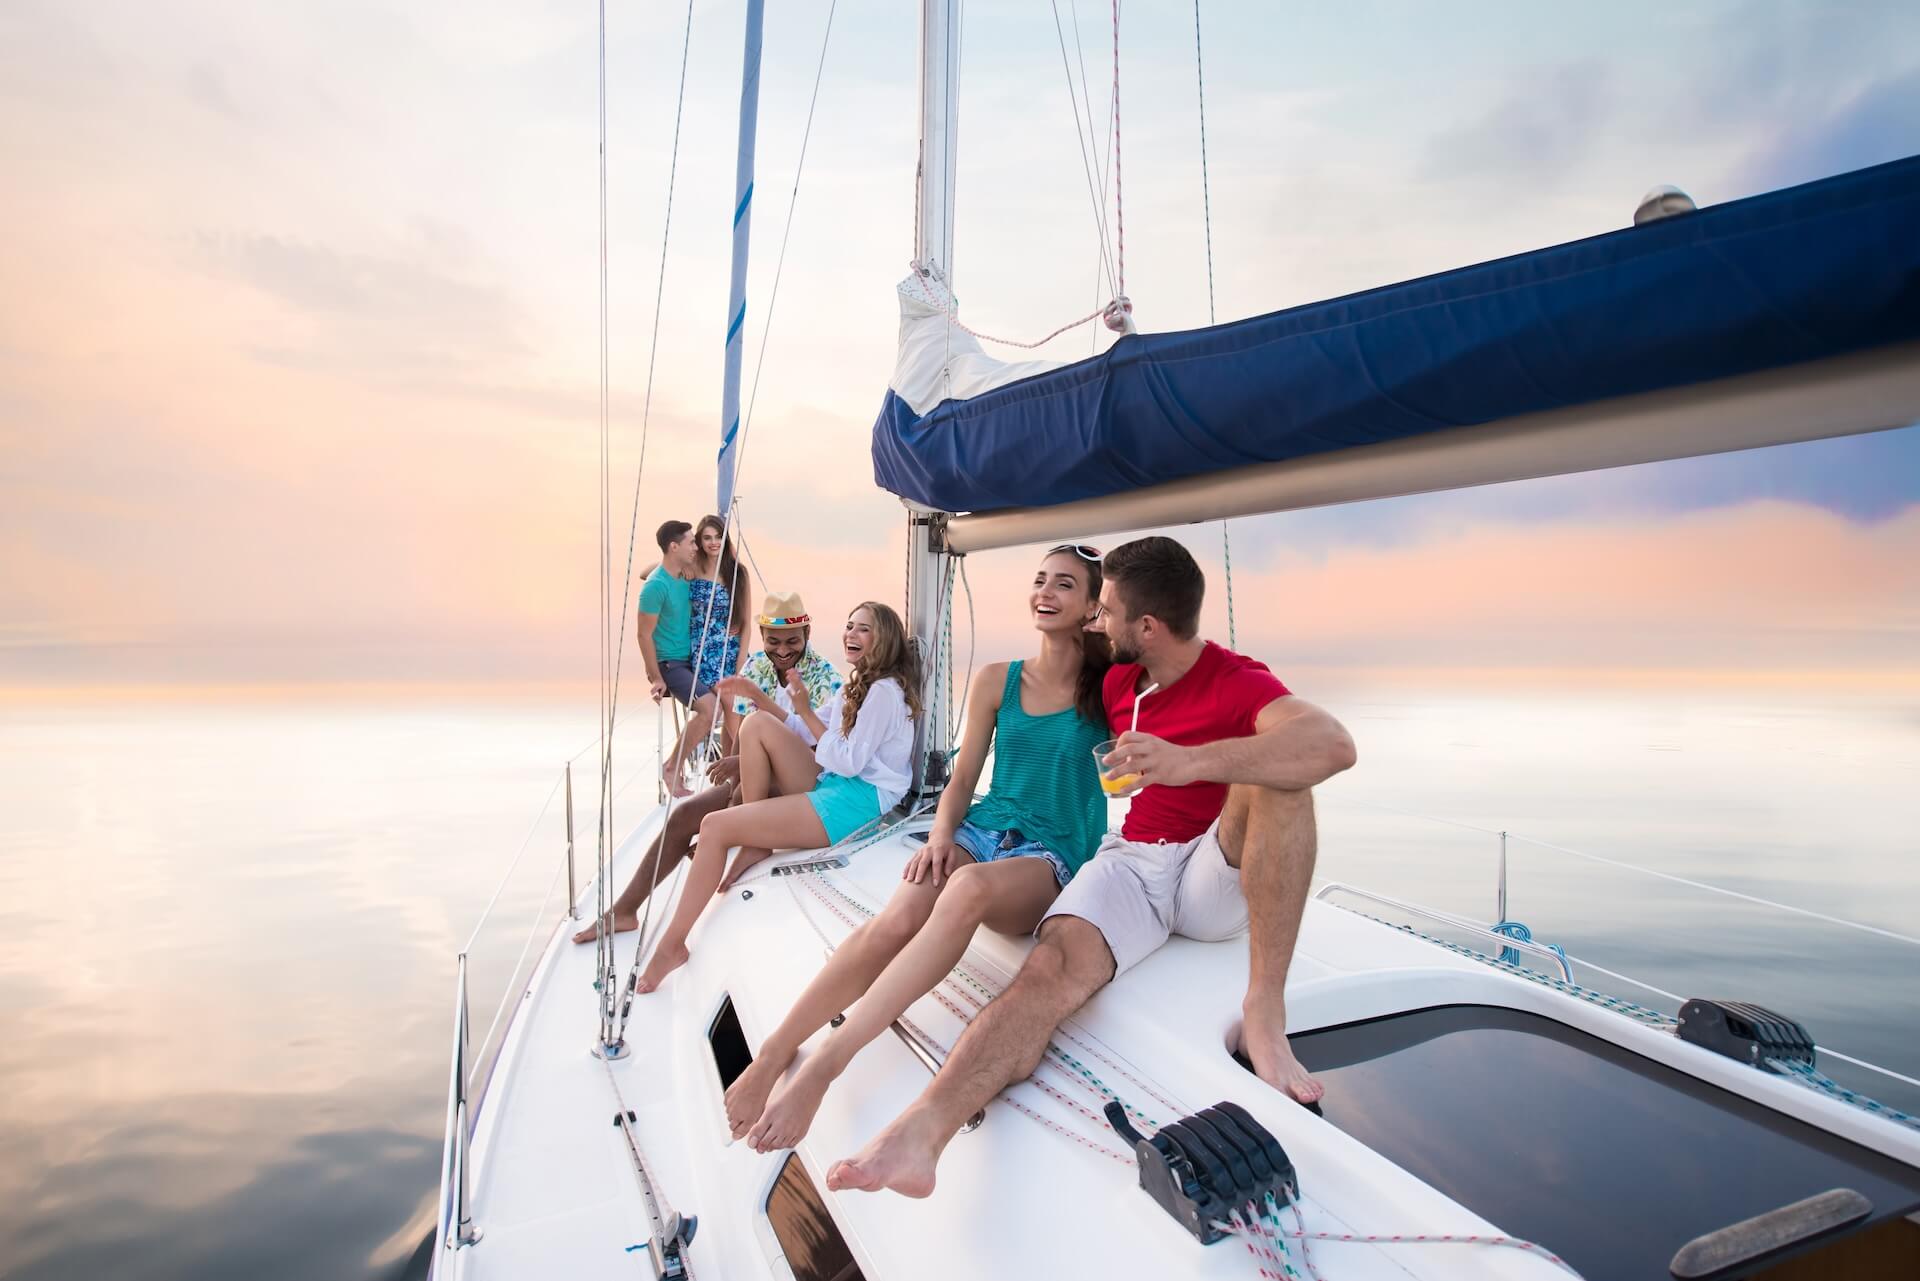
1043,1186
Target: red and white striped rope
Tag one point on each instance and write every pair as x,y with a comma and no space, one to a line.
1267,1226
1256,1242
817,884
1091,1048
972,977
1050,1090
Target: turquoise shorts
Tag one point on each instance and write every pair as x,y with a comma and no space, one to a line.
845,805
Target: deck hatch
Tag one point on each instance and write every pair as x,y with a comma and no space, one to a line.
813,1245
1561,1137
731,1056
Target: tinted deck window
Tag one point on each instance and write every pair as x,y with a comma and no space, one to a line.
730,1053
813,1245
1609,1159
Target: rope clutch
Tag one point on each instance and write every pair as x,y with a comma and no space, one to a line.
1745,1031
1204,1168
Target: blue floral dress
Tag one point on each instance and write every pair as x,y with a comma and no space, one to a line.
720,655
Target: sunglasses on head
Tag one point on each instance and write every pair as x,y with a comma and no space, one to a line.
1081,550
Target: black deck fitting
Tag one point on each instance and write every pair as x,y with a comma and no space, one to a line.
1741,1030
1204,1167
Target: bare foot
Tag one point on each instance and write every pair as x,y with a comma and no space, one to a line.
747,1096
1263,1038
622,922
746,858
665,960
676,782
786,1119
900,1159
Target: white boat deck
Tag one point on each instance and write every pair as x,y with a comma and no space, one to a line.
554,1190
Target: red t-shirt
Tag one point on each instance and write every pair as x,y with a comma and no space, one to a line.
1220,697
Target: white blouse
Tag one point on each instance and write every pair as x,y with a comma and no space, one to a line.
880,748
783,699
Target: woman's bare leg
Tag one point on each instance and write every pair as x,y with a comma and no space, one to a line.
848,972
783,820
1011,895
773,760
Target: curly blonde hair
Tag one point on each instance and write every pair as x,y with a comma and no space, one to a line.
889,655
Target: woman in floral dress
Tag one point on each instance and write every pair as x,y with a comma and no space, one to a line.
719,602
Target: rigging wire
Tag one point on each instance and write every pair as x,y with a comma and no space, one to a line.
1206,196
611,667
1119,205
966,689
1106,151
1086,161
731,517
1206,208
603,951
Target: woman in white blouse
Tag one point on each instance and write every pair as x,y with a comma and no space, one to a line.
796,797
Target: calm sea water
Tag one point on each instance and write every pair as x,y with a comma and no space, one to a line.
227,934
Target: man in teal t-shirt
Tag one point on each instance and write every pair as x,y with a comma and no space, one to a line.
665,622
666,615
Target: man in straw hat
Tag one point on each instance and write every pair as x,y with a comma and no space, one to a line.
785,669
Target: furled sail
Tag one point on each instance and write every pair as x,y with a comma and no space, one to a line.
1800,275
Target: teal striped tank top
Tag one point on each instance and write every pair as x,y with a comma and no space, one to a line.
1044,783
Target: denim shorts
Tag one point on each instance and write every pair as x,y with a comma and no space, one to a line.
989,846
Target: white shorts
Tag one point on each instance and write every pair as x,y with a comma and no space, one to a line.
1138,894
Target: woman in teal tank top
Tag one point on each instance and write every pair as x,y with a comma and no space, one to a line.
998,861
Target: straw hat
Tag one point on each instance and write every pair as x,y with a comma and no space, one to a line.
783,611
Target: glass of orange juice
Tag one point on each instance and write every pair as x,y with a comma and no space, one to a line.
1110,784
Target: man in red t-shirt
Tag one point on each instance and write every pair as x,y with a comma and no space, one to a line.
1219,839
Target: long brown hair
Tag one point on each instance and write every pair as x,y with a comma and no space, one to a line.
731,576
888,654
1096,653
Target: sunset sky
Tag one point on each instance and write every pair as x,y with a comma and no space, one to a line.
298,348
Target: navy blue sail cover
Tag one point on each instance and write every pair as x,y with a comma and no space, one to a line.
1813,271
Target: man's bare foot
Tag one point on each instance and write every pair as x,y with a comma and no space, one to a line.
676,781
665,960
1263,1038
900,1159
622,922
747,1096
786,1119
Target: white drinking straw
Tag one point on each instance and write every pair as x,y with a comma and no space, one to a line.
1138,698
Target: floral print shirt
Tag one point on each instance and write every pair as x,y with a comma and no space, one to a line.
816,673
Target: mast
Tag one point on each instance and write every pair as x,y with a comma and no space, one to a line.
927,560
737,290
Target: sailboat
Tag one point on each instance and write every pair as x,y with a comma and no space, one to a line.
1489,1115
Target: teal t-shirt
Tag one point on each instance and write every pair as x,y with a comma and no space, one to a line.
668,597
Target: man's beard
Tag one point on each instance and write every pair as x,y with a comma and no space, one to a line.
1123,652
